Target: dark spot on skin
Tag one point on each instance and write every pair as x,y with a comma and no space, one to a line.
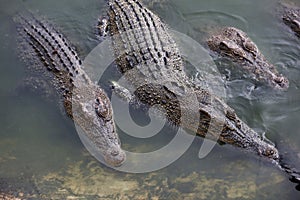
165,61
159,54
163,101
168,55
54,52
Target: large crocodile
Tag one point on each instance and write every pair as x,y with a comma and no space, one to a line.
84,101
149,59
239,48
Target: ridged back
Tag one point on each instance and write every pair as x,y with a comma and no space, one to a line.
141,38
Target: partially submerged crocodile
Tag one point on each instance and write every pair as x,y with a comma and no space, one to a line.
234,44
150,60
291,18
84,101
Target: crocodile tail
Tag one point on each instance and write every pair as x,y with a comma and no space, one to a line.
289,159
294,174
50,46
45,48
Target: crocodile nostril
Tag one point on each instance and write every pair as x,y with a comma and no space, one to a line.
114,153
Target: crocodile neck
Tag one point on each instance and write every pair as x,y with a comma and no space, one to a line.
149,59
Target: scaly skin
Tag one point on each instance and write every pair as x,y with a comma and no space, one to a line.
85,102
291,18
237,46
149,59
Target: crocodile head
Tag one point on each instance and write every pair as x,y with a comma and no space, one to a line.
234,44
93,113
269,151
291,18
113,154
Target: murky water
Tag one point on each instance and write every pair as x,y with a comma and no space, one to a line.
41,155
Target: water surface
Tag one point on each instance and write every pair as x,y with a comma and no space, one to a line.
42,156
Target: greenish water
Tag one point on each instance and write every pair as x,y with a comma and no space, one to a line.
42,156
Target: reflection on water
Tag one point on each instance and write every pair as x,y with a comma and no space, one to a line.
42,157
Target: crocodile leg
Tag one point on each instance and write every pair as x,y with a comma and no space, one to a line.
102,28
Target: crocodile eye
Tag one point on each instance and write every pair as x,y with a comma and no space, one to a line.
249,46
102,109
224,46
295,24
271,152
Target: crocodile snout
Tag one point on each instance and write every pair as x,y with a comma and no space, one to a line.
115,157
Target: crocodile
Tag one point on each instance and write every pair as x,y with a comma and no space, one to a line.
234,44
291,17
148,57
84,101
